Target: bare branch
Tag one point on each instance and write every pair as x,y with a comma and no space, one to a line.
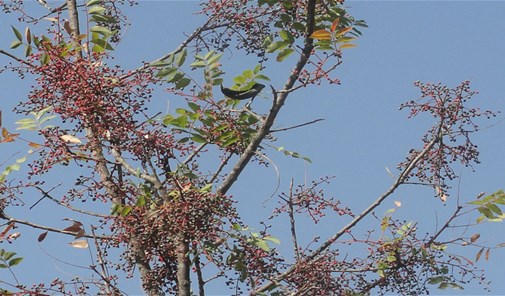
296,126
38,226
292,222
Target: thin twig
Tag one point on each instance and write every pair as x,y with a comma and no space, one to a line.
220,168
296,126
17,59
292,222
46,194
399,181
33,225
195,153
454,216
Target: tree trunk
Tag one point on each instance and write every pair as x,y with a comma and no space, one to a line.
183,266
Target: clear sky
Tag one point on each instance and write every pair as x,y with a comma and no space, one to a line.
363,131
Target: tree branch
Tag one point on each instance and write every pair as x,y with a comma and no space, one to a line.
296,126
399,181
51,229
277,103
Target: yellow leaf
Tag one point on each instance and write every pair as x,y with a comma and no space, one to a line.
5,133
34,145
321,35
343,31
398,203
81,37
51,19
347,45
79,244
334,25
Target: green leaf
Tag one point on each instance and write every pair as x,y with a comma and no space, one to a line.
272,239
8,255
165,72
101,30
180,58
486,212
98,49
284,54
126,210
15,261
93,2
141,201
182,83
195,107
214,58
17,33
207,188
28,50
15,44
103,18
44,59
495,209
261,244
198,139
436,280
299,26
174,77
198,64
262,77
276,46
96,10
248,74
230,141
217,81
287,36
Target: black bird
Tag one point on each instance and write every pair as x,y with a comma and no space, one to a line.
243,94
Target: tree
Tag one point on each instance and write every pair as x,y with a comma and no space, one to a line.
167,177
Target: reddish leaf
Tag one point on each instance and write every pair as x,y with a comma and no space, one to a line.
28,35
334,25
344,31
42,236
487,253
474,237
66,26
80,234
477,257
4,232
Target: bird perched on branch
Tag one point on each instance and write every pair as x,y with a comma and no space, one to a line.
243,94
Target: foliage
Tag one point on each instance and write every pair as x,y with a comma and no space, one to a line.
159,184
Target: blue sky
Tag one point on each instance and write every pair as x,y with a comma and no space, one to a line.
363,131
